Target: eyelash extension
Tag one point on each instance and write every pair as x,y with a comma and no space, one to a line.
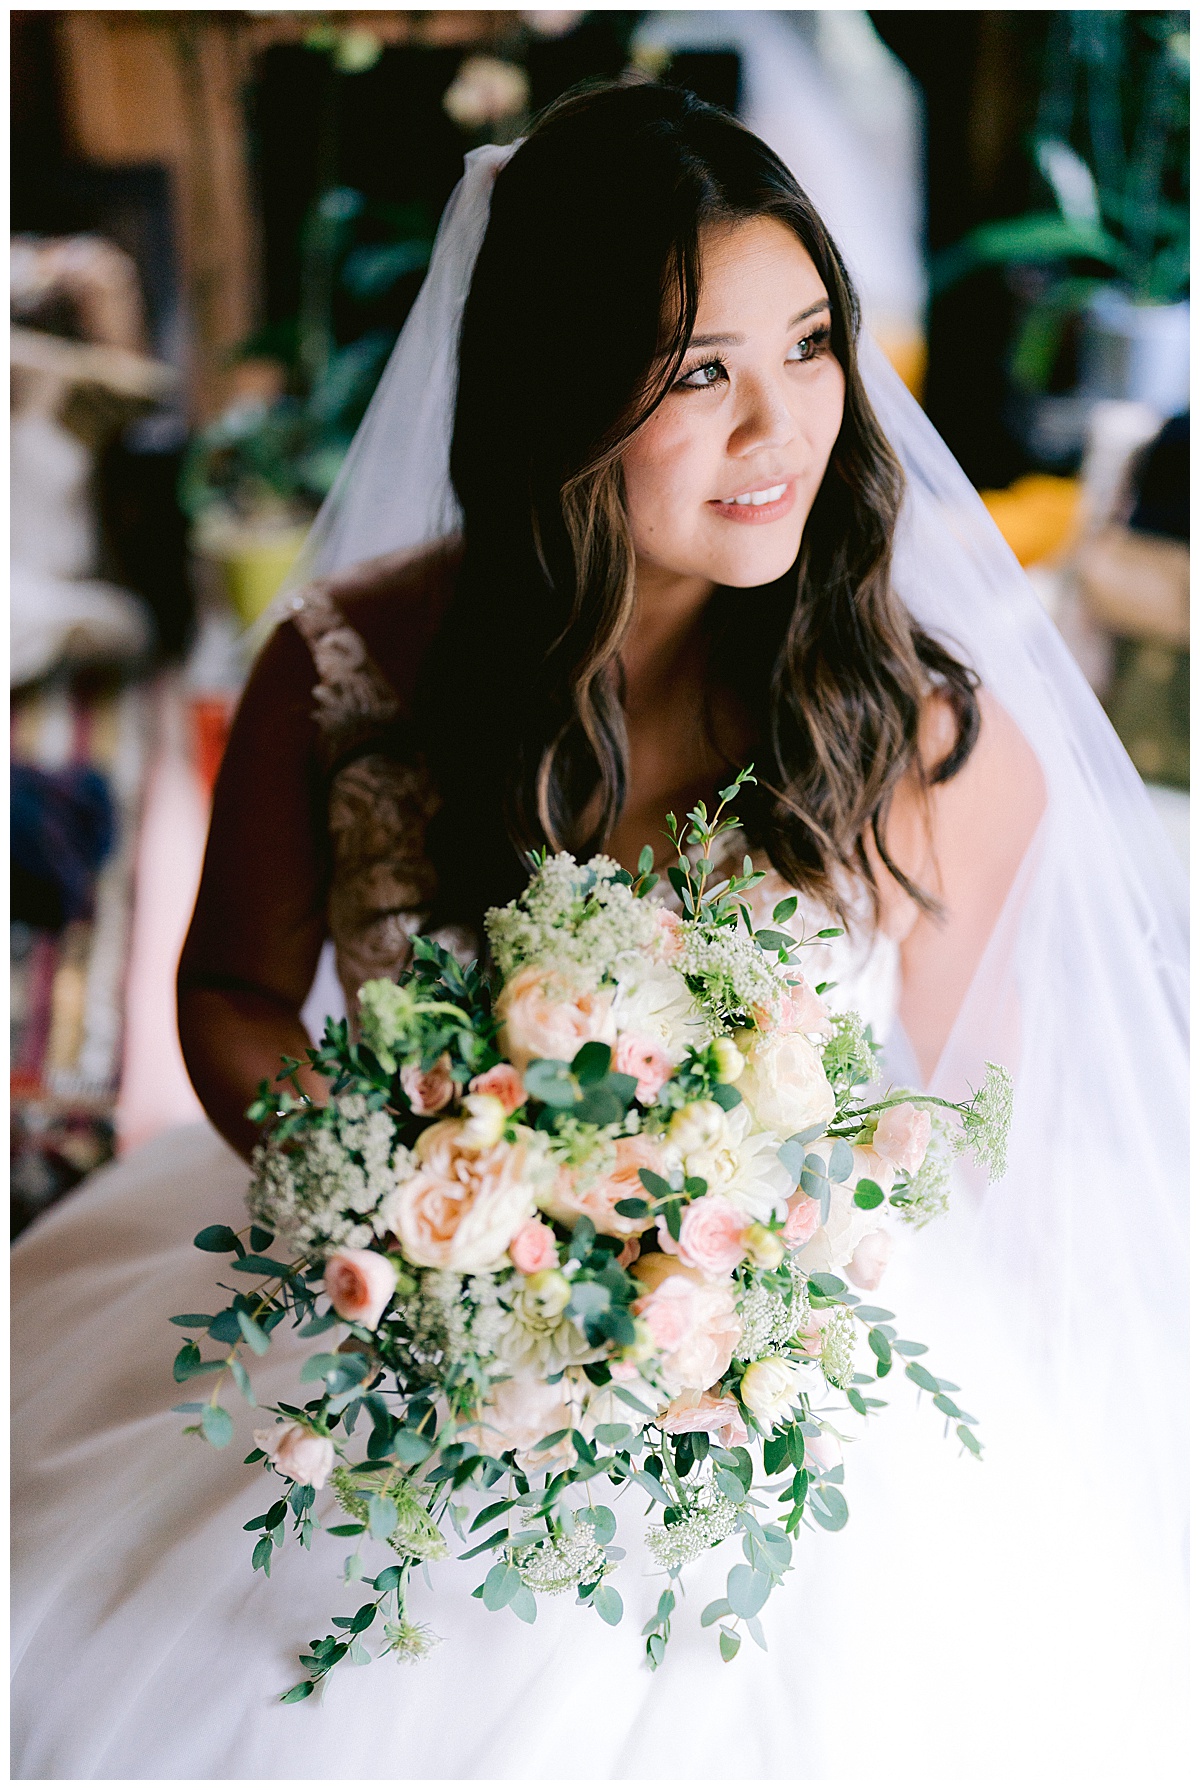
819,338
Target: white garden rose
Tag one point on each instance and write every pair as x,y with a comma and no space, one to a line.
464,1205
784,1083
653,1001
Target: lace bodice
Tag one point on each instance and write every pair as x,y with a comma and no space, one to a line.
381,799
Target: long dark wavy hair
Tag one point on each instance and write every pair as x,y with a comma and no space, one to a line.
578,318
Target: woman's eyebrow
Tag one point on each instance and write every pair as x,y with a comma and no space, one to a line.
822,304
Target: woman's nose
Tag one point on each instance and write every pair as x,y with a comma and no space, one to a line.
764,421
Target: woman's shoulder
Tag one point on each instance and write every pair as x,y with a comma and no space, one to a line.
368,628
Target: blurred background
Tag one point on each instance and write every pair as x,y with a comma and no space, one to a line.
220,220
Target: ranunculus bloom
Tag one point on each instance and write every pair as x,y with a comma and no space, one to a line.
699,1127
570,1197
503,1083
298,1453
644,1059
429,1090
360,1283
823,1452
693,1324
463,1207
545,1013
716,1417
804,1215
533,1249
712,1236
784,1084
485,1119
802,1009
902,1136
518,1412
865,1267
770,1389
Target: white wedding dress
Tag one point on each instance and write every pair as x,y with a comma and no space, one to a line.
972,1620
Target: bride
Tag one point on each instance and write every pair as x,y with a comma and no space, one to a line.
694,522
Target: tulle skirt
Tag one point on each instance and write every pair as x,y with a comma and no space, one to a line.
973,1621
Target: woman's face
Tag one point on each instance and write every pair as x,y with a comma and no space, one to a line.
719,481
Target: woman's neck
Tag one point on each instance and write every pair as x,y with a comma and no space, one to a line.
664,648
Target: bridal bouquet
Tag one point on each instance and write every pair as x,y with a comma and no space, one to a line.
589,1227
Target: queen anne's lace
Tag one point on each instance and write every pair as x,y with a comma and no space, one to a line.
572,916
709,1520
768,1323
729,973
561,1561
309,1189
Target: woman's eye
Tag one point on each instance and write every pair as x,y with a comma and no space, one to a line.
701,378
809,347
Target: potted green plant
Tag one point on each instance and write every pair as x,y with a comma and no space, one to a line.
1111,253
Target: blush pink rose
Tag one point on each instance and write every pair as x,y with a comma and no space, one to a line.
544,1013
298,1453
712,1236
670,941
716,1417
533,1249
429,1090
644,1059
865,1267
569,1198
503,1083
693,1324
902,1136
464,1206
803,1010
804,1215
360,1282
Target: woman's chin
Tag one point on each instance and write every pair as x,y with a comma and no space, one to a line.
758,562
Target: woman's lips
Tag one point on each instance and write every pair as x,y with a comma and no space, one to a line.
764,507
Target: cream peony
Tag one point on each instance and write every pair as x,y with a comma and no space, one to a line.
298,1453
692,1323
518,1412
463,1206
770,1389
832,1244
716,1417
784,1083
547,1013
360,1284
902,1136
